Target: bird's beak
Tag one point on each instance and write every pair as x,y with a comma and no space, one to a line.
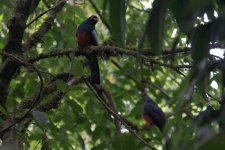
96,19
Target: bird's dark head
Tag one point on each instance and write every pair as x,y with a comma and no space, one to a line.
93,19
88,25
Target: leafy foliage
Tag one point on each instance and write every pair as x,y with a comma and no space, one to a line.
178,71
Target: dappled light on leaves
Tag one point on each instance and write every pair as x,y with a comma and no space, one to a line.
170,50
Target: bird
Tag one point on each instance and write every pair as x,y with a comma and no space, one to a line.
152,113
86,35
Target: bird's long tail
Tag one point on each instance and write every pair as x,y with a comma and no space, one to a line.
93,64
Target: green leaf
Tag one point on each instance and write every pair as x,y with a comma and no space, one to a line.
23,138
77,67
45,144
61,85
200,43
155,25
40,117
217,143
201,2
117,20
77,110
101,146
127,69
124,142
104,7
2,110
181,10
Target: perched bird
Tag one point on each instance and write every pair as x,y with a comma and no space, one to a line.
86,36
152,114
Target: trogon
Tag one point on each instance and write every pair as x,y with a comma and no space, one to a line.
86,36
152,114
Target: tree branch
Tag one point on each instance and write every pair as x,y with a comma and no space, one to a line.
30,103
51,87
96,92
16,26
53,103
44,28
37,97
102,51
112,105
17,23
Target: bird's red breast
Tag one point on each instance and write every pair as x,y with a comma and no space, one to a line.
148,120
84,39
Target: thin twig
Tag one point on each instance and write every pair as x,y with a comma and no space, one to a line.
158,87
185,109
139,9
216,56
164,56
175,67
41,14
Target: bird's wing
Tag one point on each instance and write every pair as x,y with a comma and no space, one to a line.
156,114
94,37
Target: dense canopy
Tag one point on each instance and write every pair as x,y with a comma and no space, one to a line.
171,50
